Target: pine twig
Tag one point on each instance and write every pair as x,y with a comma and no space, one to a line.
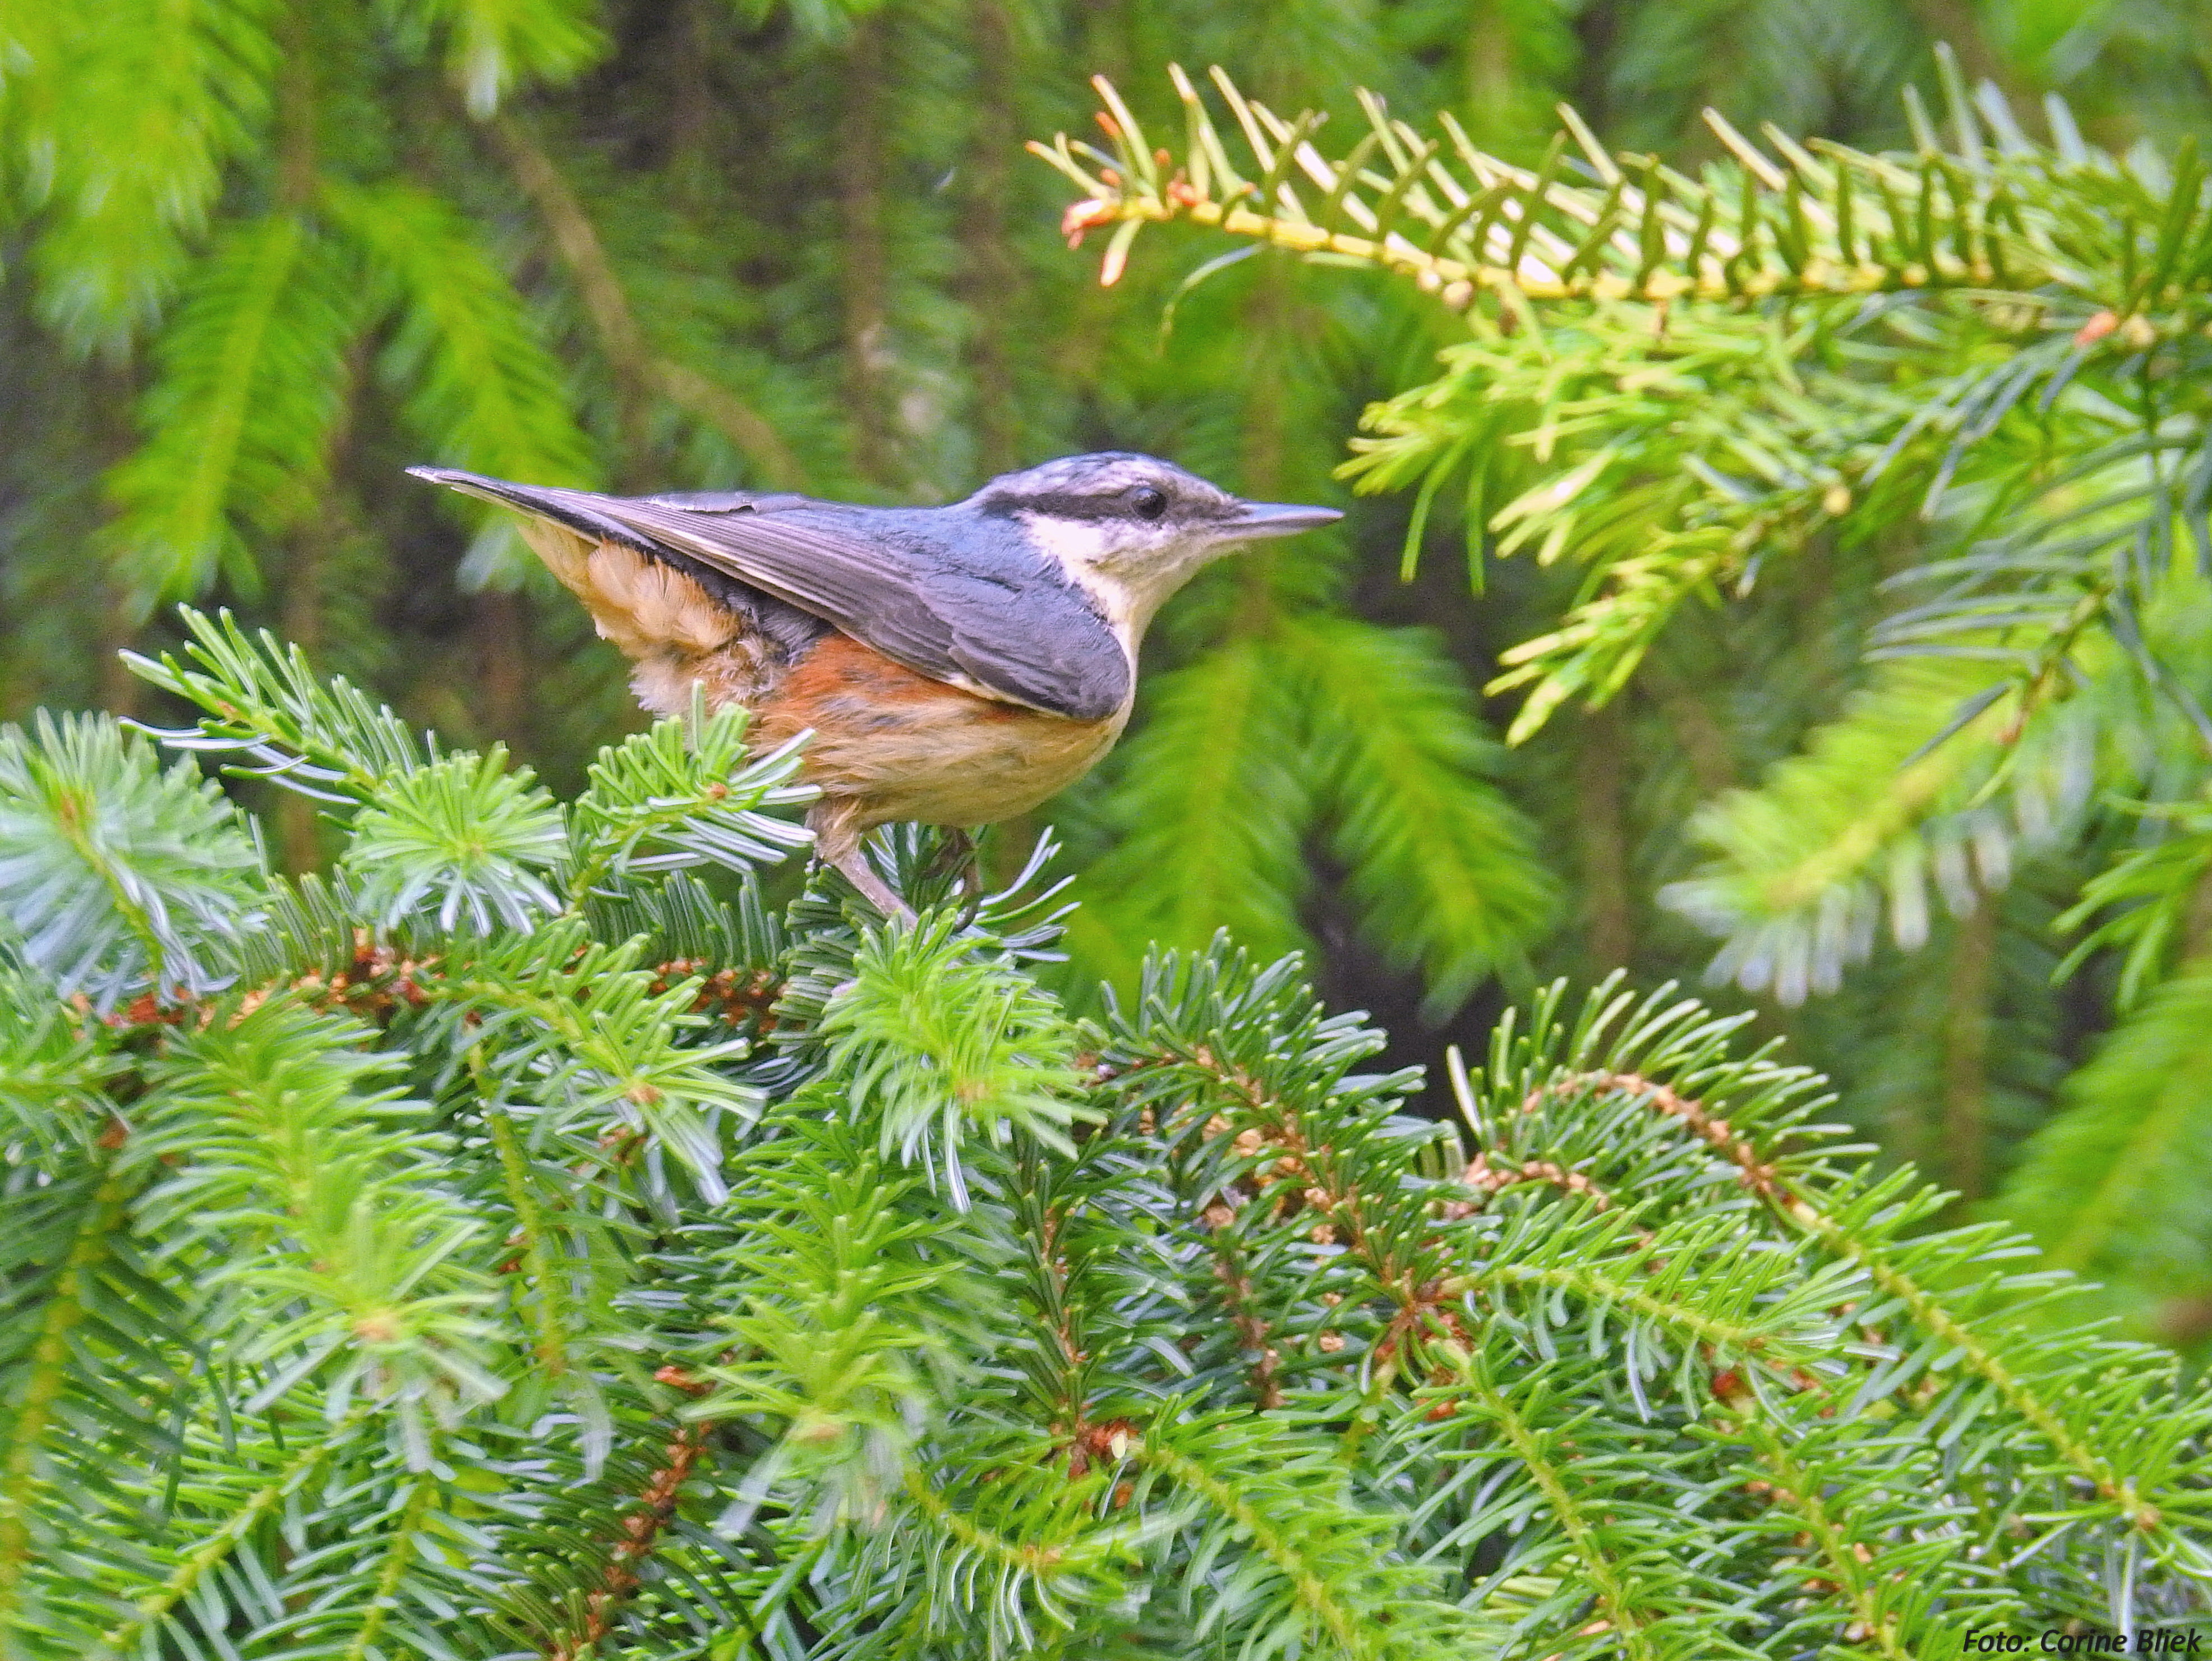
638,370
653,1510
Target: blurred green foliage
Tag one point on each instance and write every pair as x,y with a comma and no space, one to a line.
529,1240
257,255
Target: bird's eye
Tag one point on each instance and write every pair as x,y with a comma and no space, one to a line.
1148,502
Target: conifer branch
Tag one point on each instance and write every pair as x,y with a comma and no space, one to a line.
638,370
207,1557
1757,1174
1216,805
549,1315
1980,1354
1827,221
263,700
1853,1571
1987,347
1251,1324
1038,1562
254,384
618,1042
1487,1179
1761,1175
480,390
123,878
47,1376
651,1514
2091,1187
1623,1619
1311,1590
399,1555
1433,1324
1737,1339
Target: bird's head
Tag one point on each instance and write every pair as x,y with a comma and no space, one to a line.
1131,529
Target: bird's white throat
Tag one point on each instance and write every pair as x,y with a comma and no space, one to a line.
1129,577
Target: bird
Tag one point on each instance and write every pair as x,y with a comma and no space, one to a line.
954,665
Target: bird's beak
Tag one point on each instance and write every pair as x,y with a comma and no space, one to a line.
1275,519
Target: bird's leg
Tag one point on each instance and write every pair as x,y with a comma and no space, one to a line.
837,843
873,889
971,873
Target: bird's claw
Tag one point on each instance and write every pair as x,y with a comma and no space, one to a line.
960,855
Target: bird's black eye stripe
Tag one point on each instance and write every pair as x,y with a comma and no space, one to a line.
1056,505
1118,504
1148,502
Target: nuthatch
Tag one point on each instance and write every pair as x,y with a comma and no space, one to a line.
956,665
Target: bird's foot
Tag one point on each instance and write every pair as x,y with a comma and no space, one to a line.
960,852
837,843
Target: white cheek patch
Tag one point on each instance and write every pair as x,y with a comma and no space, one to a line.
1085,553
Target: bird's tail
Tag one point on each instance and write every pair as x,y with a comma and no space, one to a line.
577,509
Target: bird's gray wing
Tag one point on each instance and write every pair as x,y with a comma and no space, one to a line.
987,618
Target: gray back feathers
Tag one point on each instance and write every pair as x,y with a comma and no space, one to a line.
958,594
